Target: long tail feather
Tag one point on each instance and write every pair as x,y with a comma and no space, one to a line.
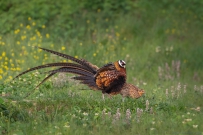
80,78
81,62
90,83
85,77
72,70
71,65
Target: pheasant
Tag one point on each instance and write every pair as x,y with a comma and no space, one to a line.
110,79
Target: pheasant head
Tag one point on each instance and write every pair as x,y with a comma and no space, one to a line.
120,66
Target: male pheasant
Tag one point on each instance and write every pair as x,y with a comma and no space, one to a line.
110,79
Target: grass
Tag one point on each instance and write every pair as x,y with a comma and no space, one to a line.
163,57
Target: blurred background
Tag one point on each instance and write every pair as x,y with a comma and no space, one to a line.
159,40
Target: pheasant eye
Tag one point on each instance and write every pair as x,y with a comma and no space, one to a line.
122,63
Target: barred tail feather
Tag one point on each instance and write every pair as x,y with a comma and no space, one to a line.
84,77
80,78
70,65
81,62
72,70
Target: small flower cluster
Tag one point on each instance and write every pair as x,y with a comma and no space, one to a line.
198,88
23,37
177,91
166,50
169,73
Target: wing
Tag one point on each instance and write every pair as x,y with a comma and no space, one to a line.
107,67
110,81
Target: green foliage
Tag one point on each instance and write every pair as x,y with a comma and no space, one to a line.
61,16
161,42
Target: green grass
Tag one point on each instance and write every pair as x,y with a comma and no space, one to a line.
151,43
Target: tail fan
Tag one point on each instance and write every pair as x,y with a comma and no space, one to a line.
84,77
84,69
68,65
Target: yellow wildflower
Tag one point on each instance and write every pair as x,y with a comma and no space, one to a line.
28,27
1,71
29,18
18,69
38,33
6,67
39,50
94,54
33,38
117,34
17,31
63,48
33,23
43,26
18,42
47,35
3,54
1,77
23,37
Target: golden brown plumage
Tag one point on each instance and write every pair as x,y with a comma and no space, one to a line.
110,79
132,91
